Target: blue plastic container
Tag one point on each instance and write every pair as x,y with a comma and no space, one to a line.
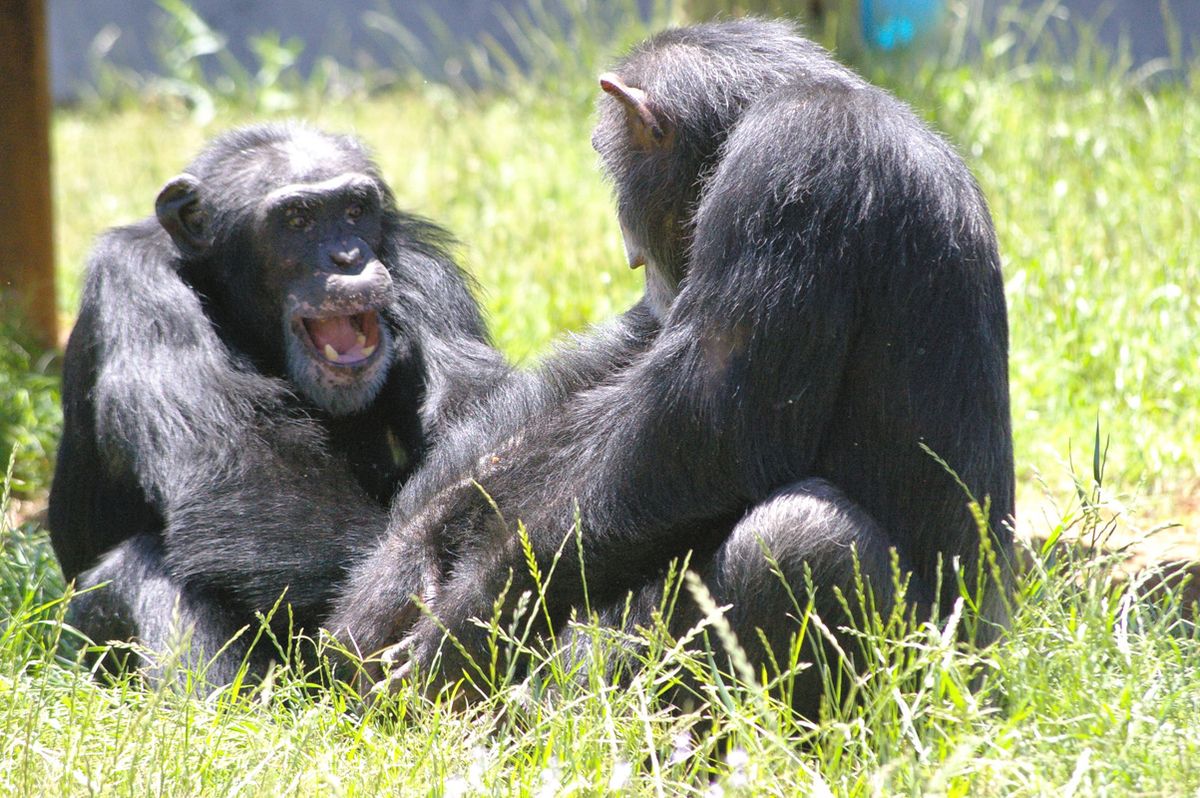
896,24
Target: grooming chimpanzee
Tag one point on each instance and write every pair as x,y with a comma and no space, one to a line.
824,308
252,375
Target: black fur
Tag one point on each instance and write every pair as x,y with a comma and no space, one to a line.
199,465
825,273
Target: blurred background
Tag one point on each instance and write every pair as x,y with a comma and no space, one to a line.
89,41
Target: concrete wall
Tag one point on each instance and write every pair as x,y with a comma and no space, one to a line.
132,30
1139,23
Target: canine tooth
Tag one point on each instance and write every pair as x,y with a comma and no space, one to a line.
362,339
330,352
368,351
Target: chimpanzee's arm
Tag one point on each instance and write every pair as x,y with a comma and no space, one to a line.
681,438
441,326
413,558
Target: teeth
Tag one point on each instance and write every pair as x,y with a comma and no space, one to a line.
368,351
330,352
362,339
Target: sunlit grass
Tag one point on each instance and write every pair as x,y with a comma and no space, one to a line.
1093,691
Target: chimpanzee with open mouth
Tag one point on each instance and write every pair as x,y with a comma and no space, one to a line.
253,374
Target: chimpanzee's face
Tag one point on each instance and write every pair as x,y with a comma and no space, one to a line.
291,266
318,242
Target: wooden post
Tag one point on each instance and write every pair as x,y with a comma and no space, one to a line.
26,221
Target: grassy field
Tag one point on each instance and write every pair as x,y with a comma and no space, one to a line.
1094,182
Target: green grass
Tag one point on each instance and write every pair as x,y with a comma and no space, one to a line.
1094,182
29,407
1094,691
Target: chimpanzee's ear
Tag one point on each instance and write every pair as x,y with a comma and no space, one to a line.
180,210
648,130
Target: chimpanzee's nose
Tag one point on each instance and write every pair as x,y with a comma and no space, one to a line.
346,258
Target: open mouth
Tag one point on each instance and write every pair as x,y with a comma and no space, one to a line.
348,340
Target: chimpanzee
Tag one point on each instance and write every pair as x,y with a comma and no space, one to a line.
823,332
253,373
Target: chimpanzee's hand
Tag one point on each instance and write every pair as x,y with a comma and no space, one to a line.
426,653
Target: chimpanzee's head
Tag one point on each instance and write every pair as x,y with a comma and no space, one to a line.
284,232
667,108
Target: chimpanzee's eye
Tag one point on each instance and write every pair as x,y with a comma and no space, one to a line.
354,212
297,218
